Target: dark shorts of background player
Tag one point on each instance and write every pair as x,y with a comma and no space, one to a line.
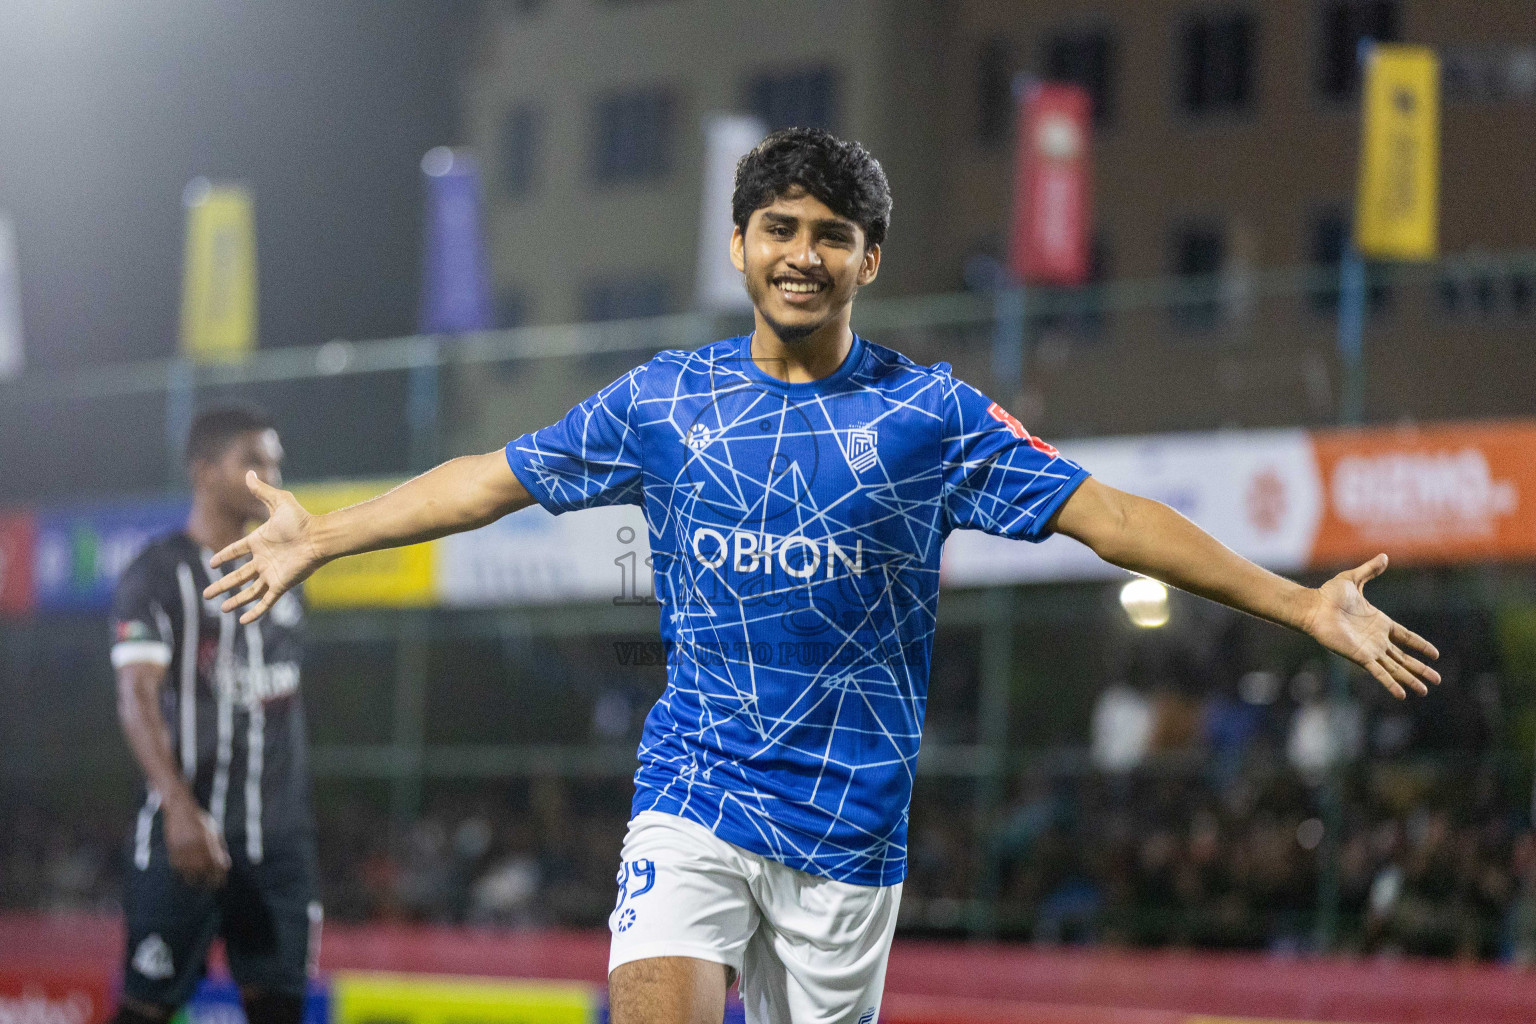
265,913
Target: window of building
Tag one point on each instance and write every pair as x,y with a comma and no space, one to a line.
1086,58
1522,292
1488,292
1468,294
1485,294
1344,24
1469,74
1199,254
797,99
1488,74
1520,73
624,299
634,135
519,149
1219,54
511,307
1330,237
994,92
1082,315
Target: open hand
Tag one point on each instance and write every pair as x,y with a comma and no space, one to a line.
1343,621
282,554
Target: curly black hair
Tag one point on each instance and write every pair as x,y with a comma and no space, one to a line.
841,174
215,427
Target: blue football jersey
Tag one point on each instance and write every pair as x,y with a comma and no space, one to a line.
795,531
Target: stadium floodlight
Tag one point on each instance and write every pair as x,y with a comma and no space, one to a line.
1146,602
437,162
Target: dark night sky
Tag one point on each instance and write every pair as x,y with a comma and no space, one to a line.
108,108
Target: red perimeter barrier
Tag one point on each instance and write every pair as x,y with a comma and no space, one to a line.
42,995
928,983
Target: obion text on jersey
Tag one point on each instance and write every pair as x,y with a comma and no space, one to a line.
799,556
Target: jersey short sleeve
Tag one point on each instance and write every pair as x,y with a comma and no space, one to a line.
591,457
141,624
998,478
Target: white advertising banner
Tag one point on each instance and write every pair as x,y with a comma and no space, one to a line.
537,558
1258,492
1290,500
727,138
10,302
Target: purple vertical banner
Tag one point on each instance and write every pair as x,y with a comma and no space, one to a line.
456,278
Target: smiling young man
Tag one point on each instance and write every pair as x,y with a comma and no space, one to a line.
798,483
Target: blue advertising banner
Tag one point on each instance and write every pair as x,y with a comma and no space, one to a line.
456,279
80,552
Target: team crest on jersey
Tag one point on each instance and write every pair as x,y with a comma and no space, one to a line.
860,449
698,437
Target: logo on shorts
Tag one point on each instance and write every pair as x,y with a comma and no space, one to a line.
153,959
861,449
868,1016
627,919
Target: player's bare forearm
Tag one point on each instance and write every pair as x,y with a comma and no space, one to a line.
1150,538
138,709
192,840
461,494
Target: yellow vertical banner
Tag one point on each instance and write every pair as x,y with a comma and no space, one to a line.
1397,216
390,578
218,290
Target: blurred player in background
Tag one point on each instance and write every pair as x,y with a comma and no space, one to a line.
224,842
798,483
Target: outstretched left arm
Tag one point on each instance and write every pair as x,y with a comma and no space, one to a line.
1148,537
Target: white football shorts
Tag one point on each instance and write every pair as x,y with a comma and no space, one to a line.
808,950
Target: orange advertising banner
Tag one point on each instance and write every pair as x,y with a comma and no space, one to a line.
1435,493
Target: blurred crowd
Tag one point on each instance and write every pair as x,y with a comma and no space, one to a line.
1385,859
1269,809
57,860
1410,856
542,853
1282,809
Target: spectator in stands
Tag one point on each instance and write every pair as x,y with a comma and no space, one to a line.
1122,728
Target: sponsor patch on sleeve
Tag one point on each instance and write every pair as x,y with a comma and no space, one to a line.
132,630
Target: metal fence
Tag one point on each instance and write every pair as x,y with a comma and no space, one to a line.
1244,348
405,703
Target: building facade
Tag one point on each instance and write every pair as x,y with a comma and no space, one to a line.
1225,151
589,115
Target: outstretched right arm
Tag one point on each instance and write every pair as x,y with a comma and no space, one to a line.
461,494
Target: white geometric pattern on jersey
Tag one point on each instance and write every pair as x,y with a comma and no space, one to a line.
771,526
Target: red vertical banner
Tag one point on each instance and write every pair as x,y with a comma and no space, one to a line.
1052,196
16,543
